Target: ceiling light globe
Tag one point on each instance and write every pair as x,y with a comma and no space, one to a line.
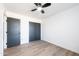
39,8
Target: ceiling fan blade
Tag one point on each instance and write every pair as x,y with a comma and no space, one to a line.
33,9
42,11
39,4
36,4
46,5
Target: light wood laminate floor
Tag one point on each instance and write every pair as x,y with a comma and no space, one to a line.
38,48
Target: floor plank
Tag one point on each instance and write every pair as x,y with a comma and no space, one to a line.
38,48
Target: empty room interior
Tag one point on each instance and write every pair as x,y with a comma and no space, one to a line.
39,29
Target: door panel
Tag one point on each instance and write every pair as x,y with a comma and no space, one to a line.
13,32
37,31
34,31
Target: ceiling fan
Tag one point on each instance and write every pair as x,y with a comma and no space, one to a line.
40,7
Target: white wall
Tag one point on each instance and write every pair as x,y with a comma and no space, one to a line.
1,28
63,29
24,26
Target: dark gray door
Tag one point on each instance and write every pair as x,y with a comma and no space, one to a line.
13,32
34,31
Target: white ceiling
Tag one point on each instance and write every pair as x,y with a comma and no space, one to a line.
24,8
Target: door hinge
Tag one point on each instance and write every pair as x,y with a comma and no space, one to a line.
6,32
6,20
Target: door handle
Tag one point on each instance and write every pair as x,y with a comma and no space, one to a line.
6,43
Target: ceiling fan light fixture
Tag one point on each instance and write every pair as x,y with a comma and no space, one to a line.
39,8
